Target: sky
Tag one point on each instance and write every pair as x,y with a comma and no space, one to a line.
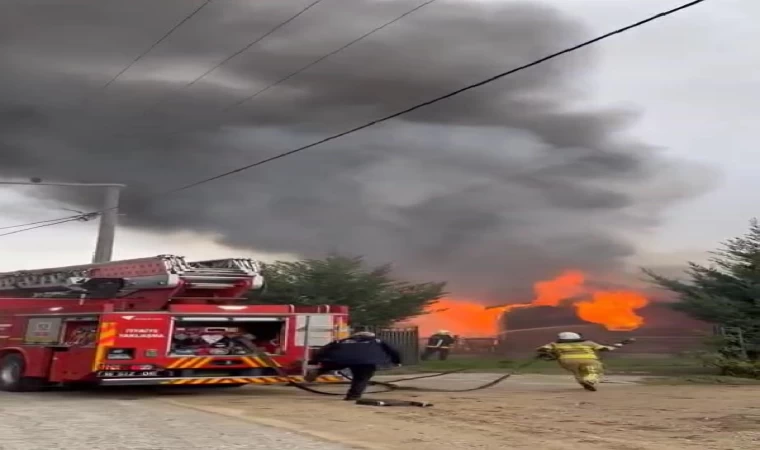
682,86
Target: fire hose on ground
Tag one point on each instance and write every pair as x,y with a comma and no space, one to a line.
392,386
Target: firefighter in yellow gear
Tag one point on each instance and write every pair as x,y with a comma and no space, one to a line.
578,356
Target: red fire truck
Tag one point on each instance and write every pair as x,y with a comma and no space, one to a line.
154,321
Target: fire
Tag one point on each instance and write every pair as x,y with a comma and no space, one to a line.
460,317
615,310
552,292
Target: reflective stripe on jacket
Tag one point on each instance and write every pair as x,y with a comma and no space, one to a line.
574,350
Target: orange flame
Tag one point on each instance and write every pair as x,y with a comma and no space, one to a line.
460,317
553,292
615,310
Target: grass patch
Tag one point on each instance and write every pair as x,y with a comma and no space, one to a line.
630,365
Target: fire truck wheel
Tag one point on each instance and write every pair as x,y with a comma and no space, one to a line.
12,379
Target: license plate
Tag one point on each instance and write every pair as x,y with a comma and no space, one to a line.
144,373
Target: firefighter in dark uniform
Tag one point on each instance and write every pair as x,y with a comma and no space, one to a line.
361,352
440,343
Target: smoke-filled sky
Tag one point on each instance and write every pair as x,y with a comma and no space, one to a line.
490,190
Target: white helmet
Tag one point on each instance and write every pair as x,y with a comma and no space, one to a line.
364,334
568,336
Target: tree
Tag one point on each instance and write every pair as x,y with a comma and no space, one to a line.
373,296
727,292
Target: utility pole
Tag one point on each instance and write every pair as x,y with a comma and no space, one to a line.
107,227
108,217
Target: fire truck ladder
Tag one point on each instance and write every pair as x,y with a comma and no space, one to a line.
163,271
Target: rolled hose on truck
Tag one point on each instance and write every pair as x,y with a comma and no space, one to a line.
391,386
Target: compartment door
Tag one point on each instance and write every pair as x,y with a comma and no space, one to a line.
320,329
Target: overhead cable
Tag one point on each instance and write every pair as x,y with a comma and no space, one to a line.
238,52
46,224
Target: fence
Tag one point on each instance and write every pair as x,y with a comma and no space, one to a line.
405,340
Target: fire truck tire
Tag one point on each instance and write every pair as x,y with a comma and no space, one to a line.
12,379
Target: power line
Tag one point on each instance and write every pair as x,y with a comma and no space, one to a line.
307,66
43,225
322,58
417,106
438,99
156,44
238,52
35,223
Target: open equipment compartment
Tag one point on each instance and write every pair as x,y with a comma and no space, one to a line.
226,335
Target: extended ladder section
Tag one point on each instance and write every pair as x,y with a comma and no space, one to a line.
163,271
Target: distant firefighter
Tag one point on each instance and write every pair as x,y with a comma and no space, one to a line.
440,343
578,356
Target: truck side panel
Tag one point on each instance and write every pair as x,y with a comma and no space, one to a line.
29,337
7,332
143,338
108,347
72,364
322,328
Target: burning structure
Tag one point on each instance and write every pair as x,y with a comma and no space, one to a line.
568,302
662,331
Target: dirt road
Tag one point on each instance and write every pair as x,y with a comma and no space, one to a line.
526,412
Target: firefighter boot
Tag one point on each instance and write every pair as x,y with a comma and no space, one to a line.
589,375
311,375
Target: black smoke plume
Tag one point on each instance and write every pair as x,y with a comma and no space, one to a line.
490,190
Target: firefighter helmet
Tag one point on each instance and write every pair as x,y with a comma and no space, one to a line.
568,336
364,334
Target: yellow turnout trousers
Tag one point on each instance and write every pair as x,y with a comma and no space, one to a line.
587,372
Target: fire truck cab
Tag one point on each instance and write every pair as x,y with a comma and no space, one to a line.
154,321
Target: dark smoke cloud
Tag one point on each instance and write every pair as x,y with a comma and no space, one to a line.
490,190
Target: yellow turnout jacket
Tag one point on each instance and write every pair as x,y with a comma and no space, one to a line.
565,351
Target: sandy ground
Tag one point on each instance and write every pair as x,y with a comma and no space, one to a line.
525,412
